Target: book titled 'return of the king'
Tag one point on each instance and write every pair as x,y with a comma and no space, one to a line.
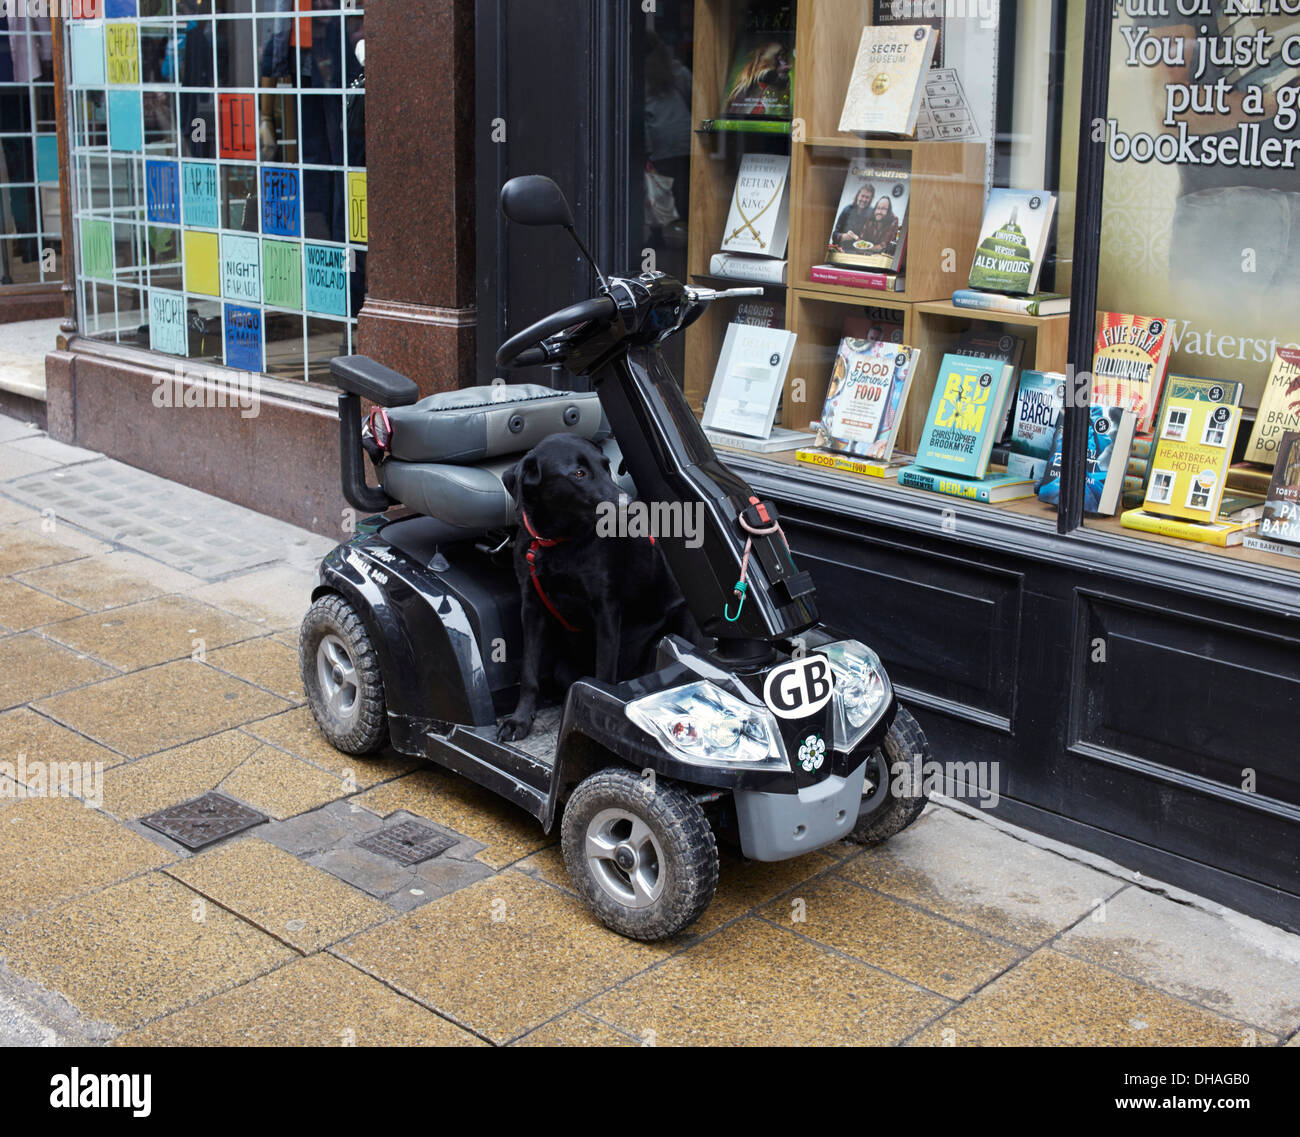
758,222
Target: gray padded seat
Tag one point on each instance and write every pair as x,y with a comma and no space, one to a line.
450,451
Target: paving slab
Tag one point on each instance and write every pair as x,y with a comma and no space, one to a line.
23,608
11,512
501,957
318,1001
152,632
507,833
23,731
264,662
302,906
322,829
1054,1000
32,667
961,868
753,984
159,708
275,597
925,949
296,733
1227,963
15,463
577,1029
109,580
139,950
147,785
281,785
53,849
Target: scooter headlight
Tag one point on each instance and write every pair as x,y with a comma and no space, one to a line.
703,724
862,690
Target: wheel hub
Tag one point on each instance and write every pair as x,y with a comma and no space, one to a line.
337,675
625,858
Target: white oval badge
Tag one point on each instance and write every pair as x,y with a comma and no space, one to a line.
799,689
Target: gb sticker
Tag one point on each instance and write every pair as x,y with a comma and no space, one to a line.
799,689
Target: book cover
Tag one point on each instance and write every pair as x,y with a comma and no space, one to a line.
742,266
760,83
1281,518
871,218
1223,534
1039,404
1211,390
856,278
867,467
867,393
980,343
1128,366
759,219
882,324
888,79
748,381
780,439
885,12
1237,506
1279,408
965,416
1039,304
991,488
1249,478
1190,464
760,313
1110,435
1277,548
1013,239
745,126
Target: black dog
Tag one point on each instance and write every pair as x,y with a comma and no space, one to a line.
596,599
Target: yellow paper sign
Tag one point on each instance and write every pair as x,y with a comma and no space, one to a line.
358,222
202,263
122,44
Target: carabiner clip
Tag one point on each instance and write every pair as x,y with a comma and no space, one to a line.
741,590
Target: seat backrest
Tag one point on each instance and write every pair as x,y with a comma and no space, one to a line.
478,423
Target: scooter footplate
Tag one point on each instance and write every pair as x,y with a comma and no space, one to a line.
540,743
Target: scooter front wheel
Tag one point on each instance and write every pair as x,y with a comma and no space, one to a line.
640,852
894,795
340,674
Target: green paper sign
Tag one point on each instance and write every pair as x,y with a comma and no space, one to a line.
97,249
282,274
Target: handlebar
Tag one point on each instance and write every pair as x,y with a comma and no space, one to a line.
513,352
527,350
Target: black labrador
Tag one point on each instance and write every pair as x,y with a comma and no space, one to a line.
598,603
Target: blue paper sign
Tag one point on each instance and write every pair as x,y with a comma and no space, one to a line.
162,181
326,269
125,131
280,197
87,42
167,327
120,9
243,337
47,158
199,194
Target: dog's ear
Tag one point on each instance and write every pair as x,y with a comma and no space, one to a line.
521,477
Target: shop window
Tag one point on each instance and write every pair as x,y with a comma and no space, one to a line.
219,159
30,219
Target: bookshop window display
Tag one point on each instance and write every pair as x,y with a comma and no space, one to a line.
218,154
913,238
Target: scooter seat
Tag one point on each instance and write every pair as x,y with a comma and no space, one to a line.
472,499
481,423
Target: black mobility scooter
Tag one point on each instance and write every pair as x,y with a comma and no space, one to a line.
772,733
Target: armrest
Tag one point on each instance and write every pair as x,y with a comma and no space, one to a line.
361,375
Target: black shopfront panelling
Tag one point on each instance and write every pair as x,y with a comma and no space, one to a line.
1140,701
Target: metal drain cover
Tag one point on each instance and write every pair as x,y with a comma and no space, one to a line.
408,843
204,821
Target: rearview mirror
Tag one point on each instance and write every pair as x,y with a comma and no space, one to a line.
535,200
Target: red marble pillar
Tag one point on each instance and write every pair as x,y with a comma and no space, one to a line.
419,315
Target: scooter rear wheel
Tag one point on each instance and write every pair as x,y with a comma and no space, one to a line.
340,673
891,803
640,852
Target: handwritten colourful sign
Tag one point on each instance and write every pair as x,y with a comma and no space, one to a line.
243,337
167,326
358,217
238,126
241,268
280,202
162,182
122,42
199,194
282,274
327,279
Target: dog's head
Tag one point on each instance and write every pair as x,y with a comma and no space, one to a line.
561,483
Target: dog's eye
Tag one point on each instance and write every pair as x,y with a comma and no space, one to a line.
579,473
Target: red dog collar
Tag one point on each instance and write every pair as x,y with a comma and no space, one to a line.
540,542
